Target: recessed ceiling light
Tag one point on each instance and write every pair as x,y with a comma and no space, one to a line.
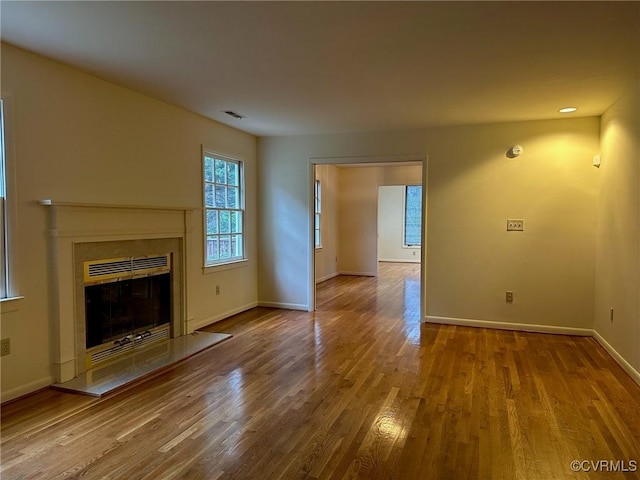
568,109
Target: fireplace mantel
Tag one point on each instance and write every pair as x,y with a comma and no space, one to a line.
78,228
54,203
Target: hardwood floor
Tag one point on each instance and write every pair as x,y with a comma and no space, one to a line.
358,389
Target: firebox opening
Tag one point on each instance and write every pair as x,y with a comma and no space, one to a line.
117,310
128,304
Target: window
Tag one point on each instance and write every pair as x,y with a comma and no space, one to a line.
412,215
3,229
223,210
317,209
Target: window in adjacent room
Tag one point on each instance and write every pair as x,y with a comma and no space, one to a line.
318,209
223,210
3,225
412,215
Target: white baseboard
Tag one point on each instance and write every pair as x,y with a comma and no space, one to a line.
26,389
326,277
359,274
400,260
284,306
523,327
216,318
626,366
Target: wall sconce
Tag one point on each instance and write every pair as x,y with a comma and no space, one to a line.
514,151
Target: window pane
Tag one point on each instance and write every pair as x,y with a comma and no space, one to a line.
232,197
317,221
232,174
208,169
225,221
236,222
3,233
220,171
225,247
212,249
236,246
212,222
3,280
221,196
413,215
317,238
208,195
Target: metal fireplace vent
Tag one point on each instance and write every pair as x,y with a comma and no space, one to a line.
126,344
112,269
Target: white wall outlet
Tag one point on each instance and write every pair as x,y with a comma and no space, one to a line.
217,289
515,225
508,296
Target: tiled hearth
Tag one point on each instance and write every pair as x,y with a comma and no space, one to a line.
143,363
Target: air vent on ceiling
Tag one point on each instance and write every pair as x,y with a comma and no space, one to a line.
234,114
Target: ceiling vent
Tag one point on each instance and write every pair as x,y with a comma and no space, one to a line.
234,114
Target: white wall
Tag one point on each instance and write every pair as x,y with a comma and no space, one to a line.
358,221
618,246
472,189
76,138
391,199
327,257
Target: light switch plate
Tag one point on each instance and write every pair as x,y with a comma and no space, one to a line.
515,225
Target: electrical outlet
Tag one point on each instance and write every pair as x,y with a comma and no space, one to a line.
5,347
508,296
515,225
217,289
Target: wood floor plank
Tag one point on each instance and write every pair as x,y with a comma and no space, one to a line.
358,389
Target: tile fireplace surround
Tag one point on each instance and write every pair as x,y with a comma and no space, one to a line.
81,232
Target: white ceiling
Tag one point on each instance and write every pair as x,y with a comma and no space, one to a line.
327,67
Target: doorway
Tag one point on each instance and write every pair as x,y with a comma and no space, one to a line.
345,242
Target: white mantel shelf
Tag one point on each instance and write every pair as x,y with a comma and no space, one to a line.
47,202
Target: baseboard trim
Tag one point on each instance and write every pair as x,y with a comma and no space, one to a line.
326,277
522,327
284,306
399,260
28,389
626,366
358,274
216,318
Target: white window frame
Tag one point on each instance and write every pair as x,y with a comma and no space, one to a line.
4,274
404,219
237,259
317,217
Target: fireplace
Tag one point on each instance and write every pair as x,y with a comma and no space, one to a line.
83,234
127,305
127,297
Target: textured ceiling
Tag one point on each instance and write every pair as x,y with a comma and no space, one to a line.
324,67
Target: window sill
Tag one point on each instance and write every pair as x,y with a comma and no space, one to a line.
319,249
411,247
225,266
10,304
